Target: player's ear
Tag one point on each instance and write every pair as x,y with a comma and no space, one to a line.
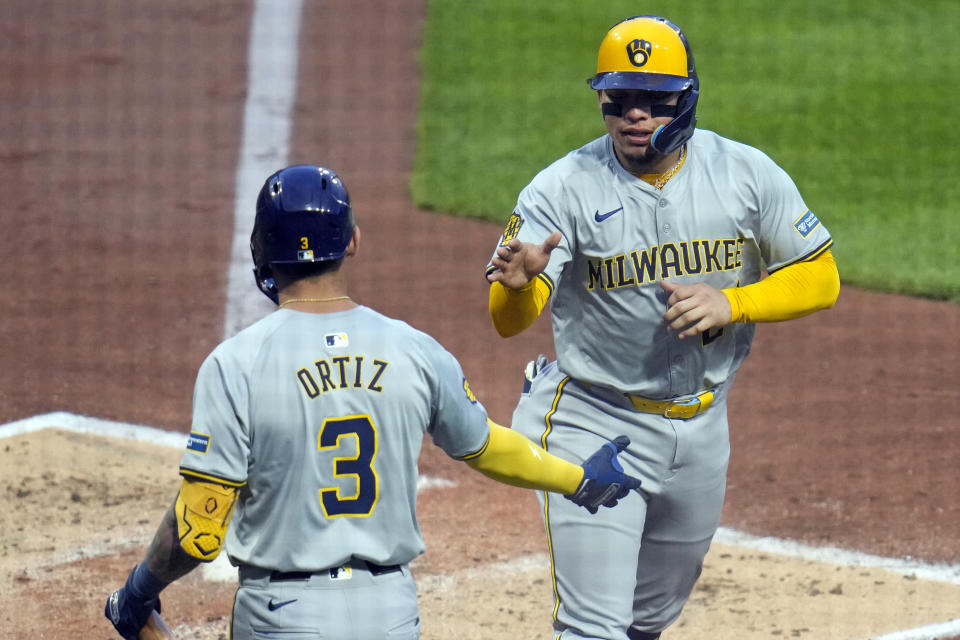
354,242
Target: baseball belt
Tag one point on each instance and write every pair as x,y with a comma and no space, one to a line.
249,573
680,409
374,569
676,409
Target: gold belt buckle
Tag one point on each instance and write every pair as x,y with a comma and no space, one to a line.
686,409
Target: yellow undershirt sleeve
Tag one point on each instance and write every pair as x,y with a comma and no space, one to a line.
513,310
511,458
796,290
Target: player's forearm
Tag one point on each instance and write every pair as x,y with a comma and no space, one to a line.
794,291
511,458
513,310
165,558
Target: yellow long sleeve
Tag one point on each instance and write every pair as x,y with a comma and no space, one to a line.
511,458
796,290
513,310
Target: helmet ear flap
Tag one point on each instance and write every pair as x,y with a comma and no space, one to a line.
267,284
263,275
672,136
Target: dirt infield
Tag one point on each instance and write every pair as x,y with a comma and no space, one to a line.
120,131
81,507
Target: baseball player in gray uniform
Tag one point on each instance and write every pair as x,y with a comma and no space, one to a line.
307,428
649,244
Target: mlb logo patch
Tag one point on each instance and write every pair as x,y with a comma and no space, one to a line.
305,256
337,340
341,573
807,223
198,442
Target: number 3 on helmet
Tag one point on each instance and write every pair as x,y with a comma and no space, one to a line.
303,215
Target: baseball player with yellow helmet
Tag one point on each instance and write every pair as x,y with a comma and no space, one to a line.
649,243
307,428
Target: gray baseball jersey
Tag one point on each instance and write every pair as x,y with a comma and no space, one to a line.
319,418
728,213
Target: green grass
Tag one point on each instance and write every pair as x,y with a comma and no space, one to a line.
855,99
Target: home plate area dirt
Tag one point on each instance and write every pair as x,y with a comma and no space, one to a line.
82,508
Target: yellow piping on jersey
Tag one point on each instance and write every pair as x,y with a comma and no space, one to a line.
233,608
481,451
546,497
196,475
819,251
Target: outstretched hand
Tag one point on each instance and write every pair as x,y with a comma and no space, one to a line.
695,308
519,262
604,482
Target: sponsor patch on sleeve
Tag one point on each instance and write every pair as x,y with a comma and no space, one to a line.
337,340
807,223
198,442
513,228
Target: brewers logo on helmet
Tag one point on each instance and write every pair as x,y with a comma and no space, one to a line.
650,53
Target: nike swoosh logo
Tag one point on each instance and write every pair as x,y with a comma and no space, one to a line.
601,218
273,606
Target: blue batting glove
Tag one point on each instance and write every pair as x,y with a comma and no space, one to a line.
604,482
129,608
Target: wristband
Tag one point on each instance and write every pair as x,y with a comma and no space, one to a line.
143,584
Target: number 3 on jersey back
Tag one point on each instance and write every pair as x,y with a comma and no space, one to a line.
359,467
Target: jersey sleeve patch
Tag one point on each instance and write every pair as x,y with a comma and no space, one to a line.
470,395
806,223
512,229
199,442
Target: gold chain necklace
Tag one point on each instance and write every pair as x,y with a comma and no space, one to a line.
292,300
665,177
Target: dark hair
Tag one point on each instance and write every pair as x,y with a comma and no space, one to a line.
287,274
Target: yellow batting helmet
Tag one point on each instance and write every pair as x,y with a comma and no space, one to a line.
651,53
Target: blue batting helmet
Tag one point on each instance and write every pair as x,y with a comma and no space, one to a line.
303,216
650,53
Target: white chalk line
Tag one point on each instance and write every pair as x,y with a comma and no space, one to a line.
833,555
267,124
929,632
96,426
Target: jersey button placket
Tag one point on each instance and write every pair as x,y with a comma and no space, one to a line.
677,374
665,231
665,228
